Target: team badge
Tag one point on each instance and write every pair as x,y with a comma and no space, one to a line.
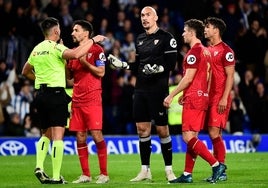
191,59
156,41
173,43
89,55
229,57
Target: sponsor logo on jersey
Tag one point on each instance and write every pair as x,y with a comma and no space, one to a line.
229,57
173,43
199,93
191,59
156,41
102,56
140,43
41,53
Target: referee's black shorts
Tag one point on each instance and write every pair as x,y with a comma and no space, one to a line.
149,107
52,107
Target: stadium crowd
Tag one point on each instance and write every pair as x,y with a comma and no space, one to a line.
119,21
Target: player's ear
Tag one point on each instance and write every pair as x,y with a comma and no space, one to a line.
87,34
155,18
56,31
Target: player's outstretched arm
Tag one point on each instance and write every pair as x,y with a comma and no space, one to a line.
117,63
82,49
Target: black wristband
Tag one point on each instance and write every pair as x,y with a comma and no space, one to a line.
93,40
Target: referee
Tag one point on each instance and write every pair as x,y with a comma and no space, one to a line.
46,66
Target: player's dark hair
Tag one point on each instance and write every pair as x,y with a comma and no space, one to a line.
217,23
87,26
197,26
47,24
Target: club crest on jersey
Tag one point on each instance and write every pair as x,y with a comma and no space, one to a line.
191,59
173,43
229,57
156,41
89,55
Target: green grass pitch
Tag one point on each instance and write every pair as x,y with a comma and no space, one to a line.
244,170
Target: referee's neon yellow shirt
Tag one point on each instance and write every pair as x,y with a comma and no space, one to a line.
49,66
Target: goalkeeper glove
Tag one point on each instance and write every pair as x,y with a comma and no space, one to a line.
117,63
148,69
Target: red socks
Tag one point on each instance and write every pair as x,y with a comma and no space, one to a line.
190,158
200,149
219,149
102,156
83,158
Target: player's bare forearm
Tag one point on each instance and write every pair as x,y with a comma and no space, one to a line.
81,50
97,71
209,79
229,82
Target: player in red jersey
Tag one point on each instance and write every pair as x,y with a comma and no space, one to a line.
223,69
86,109
194,85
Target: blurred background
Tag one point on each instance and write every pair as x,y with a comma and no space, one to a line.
119,20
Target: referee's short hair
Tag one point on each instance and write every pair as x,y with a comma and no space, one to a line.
48,23
87,26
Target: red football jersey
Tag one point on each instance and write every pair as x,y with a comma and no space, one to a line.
222,56
87,87
196,95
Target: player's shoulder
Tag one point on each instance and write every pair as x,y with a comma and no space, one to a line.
194,51
167,38
96,47
98,51
165,33
198,47
141,36
204,50
228,52
226,47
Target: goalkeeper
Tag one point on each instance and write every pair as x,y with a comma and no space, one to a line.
156,55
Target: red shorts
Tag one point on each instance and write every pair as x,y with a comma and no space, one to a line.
192,119
86,118
215,119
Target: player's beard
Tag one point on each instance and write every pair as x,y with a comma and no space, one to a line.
75,40
146,26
